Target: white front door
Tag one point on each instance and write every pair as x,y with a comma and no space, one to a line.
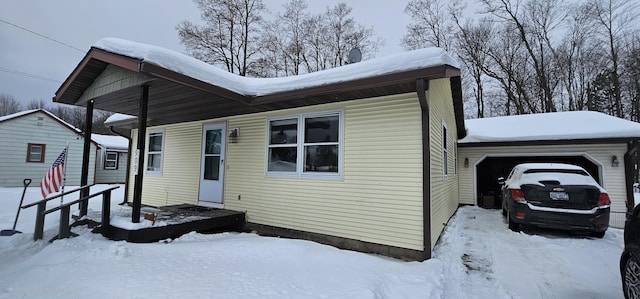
212,167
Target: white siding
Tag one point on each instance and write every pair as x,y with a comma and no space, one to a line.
111,176
18,132
613,177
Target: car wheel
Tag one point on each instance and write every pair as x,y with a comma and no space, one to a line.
598,235
512,224
631,277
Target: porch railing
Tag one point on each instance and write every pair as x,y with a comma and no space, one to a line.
64,230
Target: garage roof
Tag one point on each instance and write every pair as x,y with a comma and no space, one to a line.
550,128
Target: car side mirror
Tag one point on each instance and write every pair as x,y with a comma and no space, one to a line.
501,180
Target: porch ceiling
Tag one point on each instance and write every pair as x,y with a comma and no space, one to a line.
175,98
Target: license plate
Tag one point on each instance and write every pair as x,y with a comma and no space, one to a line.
559,195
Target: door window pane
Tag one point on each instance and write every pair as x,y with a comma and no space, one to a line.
212,167
213,142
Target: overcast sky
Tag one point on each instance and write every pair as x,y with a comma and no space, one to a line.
81,23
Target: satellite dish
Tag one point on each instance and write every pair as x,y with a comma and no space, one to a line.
355,55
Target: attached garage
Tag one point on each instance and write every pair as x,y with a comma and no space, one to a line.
493,167
601,144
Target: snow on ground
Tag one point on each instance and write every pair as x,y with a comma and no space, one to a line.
476,257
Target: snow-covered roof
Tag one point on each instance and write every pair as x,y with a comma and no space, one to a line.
108,141
189,66
17,114
119,117
549,126
26,112
111,141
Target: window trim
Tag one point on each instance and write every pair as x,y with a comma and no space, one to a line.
42,152
445,151
149,152
106,159
300,146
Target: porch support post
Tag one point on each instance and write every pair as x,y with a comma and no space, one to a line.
422,86
84,177
142,134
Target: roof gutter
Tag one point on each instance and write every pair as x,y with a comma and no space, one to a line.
629,168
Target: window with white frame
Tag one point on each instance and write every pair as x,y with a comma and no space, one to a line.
154,154
305,145
111,160
445,154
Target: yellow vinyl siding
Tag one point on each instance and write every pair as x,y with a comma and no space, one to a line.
444,191
613,177
379,197
180,177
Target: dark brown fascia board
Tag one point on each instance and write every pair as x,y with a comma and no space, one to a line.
458,105
125,62
185,80
442,71
624,140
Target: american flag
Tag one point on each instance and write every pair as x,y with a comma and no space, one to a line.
52,181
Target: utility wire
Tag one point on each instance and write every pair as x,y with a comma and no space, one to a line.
10,71
44,36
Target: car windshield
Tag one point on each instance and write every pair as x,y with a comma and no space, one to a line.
572,171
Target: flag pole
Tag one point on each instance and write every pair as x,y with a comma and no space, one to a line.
64,172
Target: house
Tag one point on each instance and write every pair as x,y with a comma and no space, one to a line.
111,159
361,157
600,143
33,140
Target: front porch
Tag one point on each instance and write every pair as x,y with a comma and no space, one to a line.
169,222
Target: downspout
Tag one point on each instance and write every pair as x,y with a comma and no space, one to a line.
128,172
628,175
421,88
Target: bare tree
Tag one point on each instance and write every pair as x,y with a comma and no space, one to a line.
8,104
472,42
614,18
432,24
230,34
534,21
579,58
315,57
343,34
38,104
631,77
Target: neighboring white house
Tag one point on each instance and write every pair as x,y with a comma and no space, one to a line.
596,141
32,140
111,162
